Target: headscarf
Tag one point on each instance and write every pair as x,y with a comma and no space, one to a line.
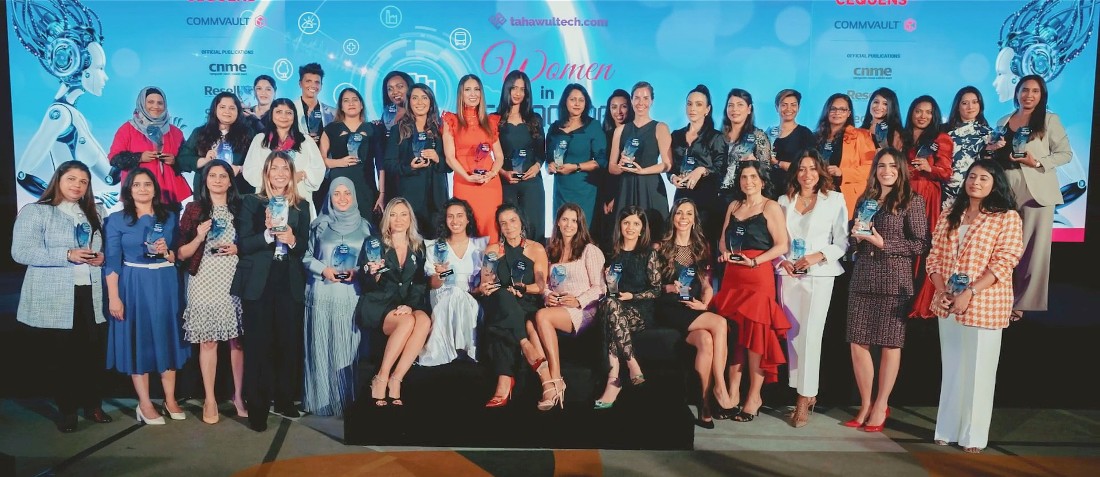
344,222
153,128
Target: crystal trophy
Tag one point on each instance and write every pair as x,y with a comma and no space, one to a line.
83,234
519,159
865,214
374,253
559,153
439,253
630,150
957,283
773,134
798,250
557,276
1019,142
152,234
343,261
418,144
518,270
214,238
744,149
224,151
687,276
612,276
389,116
489,269
687,167
827,153
735,239
882,130
354,141
482,157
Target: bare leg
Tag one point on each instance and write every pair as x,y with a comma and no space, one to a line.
718,329
756,381
704,346
864,370
168,382
208,366
422,325
887,376
397,328
141,387
610,391
547,322
236,361
532,346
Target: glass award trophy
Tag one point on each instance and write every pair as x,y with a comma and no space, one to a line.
83,234
152,234
865,214
881,132
374,253
735,239
827,153
1019,142
439,253
557,277
489,268
483,156
418,144
389,116
280,213
518,270
559,152
630,150
224,151
612,275
957,283
519,159
343,261
798,250
687,276
773,134
745,148
215,238
354,141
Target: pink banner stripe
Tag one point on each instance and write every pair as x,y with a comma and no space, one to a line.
1069,235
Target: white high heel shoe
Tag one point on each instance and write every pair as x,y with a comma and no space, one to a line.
159,421
176,416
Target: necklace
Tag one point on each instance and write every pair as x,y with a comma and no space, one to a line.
806,200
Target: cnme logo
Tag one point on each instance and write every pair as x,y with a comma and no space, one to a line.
218,69
872,73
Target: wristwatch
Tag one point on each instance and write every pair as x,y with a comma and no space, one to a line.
1038,165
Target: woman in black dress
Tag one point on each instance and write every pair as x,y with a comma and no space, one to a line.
642,152
347,131
617,112
698,150
226,136
789,138
524,146
413,156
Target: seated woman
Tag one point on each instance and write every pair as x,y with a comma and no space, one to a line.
521,265
685,247
571,297
631,310
755,232
394,299
451,267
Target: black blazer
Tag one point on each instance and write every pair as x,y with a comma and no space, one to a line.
396,286
425,189
256,254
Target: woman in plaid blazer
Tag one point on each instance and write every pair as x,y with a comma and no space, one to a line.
975,246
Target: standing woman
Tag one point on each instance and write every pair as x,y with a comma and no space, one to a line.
224,125
1035,184
791,138
571,299
143,294
271,284
883,119
632,310
263,88
698,150
584,151
970,133
212,313
415,156
980,237
454,309
332,295
150,140
281,133
511,301
747,294
472,145
817,216
640,180
618,112
882,285
744,142
70,327
359,166
395,92
847,151
521,130
683,246
394,300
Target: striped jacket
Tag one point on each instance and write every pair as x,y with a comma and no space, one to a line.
993,242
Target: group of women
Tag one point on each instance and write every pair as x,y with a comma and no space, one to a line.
299,287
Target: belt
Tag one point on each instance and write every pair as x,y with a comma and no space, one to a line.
151,266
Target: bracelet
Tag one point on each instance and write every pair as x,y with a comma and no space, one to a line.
973,291
753,262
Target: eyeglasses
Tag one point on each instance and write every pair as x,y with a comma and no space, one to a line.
838,110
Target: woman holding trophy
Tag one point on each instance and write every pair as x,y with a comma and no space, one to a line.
641,152
471,142
576,149
415,156
346,147
225,136
524,143
977,244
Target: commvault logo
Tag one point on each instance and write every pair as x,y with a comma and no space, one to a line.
243,20
909,25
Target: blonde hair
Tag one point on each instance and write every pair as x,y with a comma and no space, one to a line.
416,242
266,191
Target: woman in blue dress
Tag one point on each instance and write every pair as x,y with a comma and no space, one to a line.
332,292
143,294
580,143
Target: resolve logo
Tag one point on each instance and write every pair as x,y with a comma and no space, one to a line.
498,20
227,69
223,21
242,91
861,72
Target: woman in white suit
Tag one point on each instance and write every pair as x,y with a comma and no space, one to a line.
817,224
1035,183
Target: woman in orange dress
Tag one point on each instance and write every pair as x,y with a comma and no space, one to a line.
472,147
847,150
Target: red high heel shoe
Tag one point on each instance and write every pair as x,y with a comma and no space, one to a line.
879,427
501,401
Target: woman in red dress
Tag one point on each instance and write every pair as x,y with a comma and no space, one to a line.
150,140
929,150
472,147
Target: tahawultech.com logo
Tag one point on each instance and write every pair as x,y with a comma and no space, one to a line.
498,20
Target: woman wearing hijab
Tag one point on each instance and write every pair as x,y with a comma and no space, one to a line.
150,140
331,338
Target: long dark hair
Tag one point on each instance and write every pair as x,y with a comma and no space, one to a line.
482,117
129,209
340,116
52,195
407,124
823,121
555,247
271,139
893,114
1000,199
386,101
824,179
750,120
202,195
239,135
608,122
928,136
563,103
441,218
708,119
1038,121
510,207
526,112
954,119
736,193
617,233
901,193
700,245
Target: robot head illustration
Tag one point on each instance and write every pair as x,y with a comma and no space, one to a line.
1041,38
66,37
